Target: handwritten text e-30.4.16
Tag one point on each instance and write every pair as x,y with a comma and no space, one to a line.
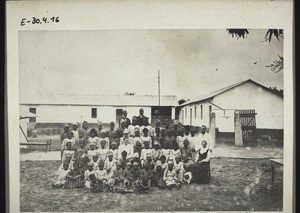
35,20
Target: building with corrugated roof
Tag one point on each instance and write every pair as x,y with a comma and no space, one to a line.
68,108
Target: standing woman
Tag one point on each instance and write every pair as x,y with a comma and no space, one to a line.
201,169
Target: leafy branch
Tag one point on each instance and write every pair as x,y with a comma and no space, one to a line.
277,65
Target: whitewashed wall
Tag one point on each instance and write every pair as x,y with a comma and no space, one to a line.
65,113
196,121
268,106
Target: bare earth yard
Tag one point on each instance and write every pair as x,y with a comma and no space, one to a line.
236,185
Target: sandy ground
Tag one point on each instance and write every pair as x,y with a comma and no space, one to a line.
220,151
236,185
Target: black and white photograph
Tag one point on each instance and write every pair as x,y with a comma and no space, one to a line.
135,106
151,120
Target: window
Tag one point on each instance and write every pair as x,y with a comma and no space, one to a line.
32,120
185,113
201,111
94,112
182,116
209,108
195,112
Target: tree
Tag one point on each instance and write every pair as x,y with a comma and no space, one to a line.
277,65
278,91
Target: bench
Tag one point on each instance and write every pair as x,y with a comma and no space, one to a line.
274,163
47,144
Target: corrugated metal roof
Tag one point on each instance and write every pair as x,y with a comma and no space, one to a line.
219,91
101,100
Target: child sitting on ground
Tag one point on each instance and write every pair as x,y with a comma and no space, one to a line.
109,164
101,172
74,178
87,173
158,175
135,172
62,175
178,166
170,176
144,182
102,151
117,178
128,175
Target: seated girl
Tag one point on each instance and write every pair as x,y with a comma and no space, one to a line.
158,176
95,162
68,151
200,170
150,162
87,173
165,151
170,176
162,161
92,151
186,155
104,137
70,139
178,166
137,150
174,152
81,148
117,179
156,152
144,181
109,164
75,178
114,150
145,151
146,138
62,175
102,151
93,139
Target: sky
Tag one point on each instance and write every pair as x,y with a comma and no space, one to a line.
112,62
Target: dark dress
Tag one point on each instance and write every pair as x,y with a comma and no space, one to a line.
76,181
157,179
201,170
142,121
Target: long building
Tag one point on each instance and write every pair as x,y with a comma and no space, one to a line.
62,108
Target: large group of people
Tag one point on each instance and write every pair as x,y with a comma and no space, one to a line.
133,157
